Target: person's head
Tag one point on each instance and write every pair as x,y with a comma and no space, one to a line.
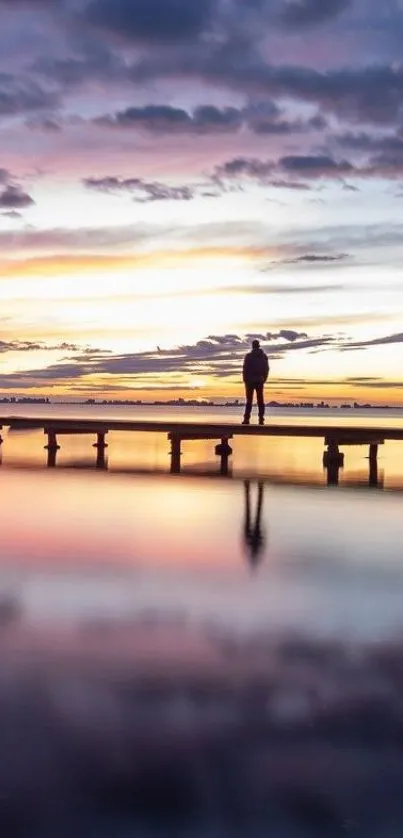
255,344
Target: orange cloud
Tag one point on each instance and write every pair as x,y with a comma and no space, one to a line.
69,265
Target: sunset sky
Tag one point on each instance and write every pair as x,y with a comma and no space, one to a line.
178,176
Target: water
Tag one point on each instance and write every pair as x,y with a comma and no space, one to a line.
199,656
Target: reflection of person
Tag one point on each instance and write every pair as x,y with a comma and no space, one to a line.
253,535
255,375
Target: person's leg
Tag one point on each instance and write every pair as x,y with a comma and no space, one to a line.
249,401
260,402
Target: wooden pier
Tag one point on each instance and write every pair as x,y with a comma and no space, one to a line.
335,437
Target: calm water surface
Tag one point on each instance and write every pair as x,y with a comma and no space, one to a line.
200,656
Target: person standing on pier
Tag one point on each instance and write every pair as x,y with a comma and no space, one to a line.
255,375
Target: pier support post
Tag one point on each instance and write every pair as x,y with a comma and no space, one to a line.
333,461
101,459
333,474
333,456
100,443
373,465
224,451
175,453
52,456
52,440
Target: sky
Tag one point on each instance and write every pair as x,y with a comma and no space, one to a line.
178,177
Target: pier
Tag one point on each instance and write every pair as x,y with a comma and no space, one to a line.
335,437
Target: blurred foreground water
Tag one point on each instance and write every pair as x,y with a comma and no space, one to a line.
197,656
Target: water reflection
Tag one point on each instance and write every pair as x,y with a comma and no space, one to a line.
287,736
333,473
151,686
253,535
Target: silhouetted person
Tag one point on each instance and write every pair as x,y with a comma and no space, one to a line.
255,375
254,538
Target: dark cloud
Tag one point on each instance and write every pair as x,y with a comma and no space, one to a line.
290,184
364,141
281,289
384,341
5,177
312,166
217,355
266,126
260,170
318,258
14,197
152,21
18,96
379,385
371,94
303,167
300,13
35,346
51,4
296,171
207,119
289,335
161,119
143,192
219,44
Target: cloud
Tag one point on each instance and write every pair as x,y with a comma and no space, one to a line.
143,192
366,94
14,197
266,172
290,184
215,357
317,258
384,341
262,119
300,13
12,214
221,43
279,289
152,21
218,356
291,336
19,96
162,119
36,346
69,264
315,166
302,169
260,170
363,141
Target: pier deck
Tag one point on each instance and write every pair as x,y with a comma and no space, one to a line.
202,430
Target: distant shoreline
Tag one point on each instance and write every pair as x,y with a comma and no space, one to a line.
197,403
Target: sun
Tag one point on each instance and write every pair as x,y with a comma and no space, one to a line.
197,383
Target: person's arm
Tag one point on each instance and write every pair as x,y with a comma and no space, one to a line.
267,369
245,369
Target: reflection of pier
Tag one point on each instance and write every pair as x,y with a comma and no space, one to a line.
333,462
335,438
100,462
253,535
